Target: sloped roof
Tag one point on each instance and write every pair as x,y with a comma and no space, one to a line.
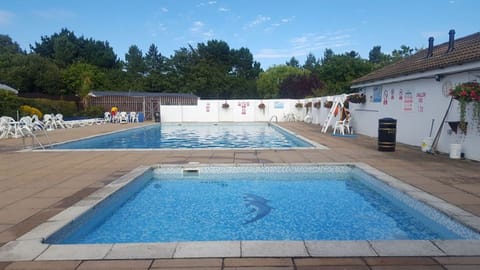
8,88
139,94
466,50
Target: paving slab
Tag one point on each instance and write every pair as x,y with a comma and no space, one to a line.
141,251
187,263
207,249
21,250
459,247
274,249
406,248
46,265
75,252
339,248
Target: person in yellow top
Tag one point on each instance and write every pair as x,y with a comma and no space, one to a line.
113,112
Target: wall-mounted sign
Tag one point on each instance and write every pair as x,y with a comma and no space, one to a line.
278,105
377,94
408,101
420,100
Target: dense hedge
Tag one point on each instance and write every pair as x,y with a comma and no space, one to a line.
10,104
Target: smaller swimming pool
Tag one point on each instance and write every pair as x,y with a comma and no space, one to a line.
225,203
195,136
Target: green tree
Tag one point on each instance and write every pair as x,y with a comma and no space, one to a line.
65,48
293,62
338,71
81,78
134,62
7,45
404,51
378,58
268,83
154,61
300,86
30,73
311,63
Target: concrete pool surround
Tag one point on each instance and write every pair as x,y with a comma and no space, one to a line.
31,246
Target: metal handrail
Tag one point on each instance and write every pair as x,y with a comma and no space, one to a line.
271,119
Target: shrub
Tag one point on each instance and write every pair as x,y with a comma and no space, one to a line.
30,111
94,112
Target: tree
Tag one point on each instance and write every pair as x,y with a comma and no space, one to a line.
293,62
268,83
65,48
311,62
30,73
154,61
299,86
81,78
338,71
377,57
403,52
135,64
7,45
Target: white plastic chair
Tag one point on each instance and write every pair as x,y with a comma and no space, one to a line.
133,117
123,118
107,116
342,126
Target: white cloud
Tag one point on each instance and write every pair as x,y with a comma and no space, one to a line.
164,9
5,17
287,20
223,9
54,14
283,21
211,2
197,26
156,28
260,19
209,34
307,43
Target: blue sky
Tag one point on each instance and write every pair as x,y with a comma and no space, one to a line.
273,30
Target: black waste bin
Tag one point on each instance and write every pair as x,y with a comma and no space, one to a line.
157,116
387,134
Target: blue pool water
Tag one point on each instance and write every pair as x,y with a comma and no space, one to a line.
266,203
206,135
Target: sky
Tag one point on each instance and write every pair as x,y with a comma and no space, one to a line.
273,30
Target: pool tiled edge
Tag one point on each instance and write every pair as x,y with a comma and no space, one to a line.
30,246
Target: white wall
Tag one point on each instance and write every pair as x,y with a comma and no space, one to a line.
238,111
414,116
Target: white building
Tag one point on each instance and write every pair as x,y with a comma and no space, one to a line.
415,91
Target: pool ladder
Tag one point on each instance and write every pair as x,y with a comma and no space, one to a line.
271,119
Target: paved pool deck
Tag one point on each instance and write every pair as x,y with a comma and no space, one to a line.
35,186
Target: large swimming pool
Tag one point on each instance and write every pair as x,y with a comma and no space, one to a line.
194,135
223,203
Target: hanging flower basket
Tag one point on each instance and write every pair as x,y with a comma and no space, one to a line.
225,105
359,99
308,104
261,106
466,93
328,104
317,104
299,105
